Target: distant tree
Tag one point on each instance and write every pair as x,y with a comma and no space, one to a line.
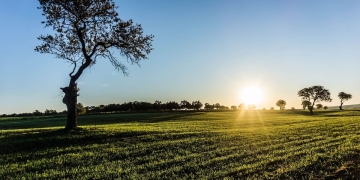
264,109
80,109
343,97
272,108
234,108
37,113
319,106
281,104
217,106
145,106
50,112
314,94
196,105
172,105
251,107
208,106
157,105
241,106
86,31
221,107
185,105
325,107
164,106
305,104
292,108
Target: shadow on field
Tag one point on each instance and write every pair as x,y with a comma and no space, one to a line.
99,119
28,144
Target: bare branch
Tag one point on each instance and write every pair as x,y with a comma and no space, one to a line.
73,69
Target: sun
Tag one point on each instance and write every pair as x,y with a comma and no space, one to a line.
251,95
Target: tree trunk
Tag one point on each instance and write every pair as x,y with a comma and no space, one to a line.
311,109
341,106
70,99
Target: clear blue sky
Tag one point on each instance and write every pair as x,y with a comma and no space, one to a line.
207,50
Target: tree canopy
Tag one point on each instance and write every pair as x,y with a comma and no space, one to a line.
343,97
281,104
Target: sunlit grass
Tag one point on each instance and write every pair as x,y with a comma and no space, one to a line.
188,145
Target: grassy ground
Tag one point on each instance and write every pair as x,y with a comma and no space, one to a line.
186,145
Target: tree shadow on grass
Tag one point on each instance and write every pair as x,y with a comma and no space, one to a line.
101,119
29,143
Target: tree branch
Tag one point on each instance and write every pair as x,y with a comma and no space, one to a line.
73,69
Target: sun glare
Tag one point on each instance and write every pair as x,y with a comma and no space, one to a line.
251,95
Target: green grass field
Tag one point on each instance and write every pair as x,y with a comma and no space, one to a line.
184,145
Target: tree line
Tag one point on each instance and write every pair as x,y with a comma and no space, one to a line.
134,106
311,96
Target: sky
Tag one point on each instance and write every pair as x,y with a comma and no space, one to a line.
207,50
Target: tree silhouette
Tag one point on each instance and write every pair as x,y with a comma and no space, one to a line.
316,94
208,106
343,97
80,109
185,104
305,104
319,106
281,103
86,31
217,106
157,105
197,104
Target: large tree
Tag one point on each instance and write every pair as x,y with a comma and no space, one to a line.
343,97
86,31
314,94
281,103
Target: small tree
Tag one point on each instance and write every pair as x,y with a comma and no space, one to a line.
281,103
185,104
343,97
314,94
292,108
319,106
208,106
86,31
305,104
217,106
197,104
80,109
272,108
234,108
325,107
